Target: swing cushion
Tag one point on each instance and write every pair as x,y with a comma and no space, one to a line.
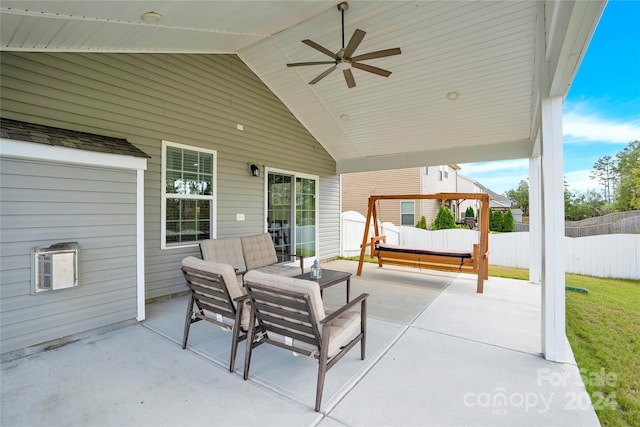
421,251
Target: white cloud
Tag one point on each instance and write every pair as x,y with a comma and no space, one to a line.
579,128
506,175
502,166
579,181
497,176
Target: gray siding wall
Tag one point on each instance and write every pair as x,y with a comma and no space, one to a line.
329,232
189,99
45,203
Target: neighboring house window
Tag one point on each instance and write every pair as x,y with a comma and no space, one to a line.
188,194
440,176
407,210
426,170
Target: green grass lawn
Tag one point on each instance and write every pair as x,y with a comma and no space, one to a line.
603,328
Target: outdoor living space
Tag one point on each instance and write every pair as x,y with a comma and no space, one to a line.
438,353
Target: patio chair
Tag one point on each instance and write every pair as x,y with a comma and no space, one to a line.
289,313
218,298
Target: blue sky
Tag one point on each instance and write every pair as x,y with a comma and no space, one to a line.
601,112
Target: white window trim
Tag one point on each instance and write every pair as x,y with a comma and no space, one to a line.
163,206
413,213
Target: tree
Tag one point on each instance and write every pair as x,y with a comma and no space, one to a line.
495,221
469,213
422,223
605,174
521,196
444,220
508,222
627,169
583,205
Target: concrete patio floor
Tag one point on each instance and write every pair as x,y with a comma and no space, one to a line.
438,354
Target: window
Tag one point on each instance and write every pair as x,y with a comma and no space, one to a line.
188,195
426,170
407,213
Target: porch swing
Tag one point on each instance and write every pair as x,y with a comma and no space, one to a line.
475,261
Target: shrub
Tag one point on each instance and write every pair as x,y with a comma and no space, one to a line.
444,220
469,212
508,222
422,223
495,221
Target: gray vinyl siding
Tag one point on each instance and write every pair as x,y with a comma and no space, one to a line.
329,231
45,203
195,100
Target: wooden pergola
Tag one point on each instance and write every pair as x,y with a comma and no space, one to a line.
477,262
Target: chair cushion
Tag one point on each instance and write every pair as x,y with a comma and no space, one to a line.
226,250
342,330
231,281
258,251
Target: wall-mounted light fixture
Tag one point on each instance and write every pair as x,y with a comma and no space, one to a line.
255,170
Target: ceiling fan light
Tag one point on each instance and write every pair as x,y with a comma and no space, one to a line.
343,65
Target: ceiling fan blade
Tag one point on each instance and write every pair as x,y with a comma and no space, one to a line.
377,54
300,64
354,42
348,76
322,76
371,69
322,49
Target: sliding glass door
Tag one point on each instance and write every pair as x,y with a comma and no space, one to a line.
292,212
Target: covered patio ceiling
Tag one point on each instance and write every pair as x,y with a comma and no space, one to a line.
501,58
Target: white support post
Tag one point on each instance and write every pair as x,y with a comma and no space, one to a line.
535,220
140,285
553,270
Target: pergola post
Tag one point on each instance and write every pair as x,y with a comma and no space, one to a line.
553,268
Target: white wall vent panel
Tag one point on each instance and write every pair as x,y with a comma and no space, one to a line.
55,267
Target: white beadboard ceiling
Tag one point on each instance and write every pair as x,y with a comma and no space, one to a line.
500,56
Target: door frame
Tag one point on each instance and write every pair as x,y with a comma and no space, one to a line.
267,170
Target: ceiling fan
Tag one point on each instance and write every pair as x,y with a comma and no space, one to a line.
343,59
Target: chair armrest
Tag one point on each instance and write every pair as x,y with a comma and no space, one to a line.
333,316
295,256
241,298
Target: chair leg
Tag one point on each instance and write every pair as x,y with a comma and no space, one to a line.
363,328
322,366
249,344
187,322
236,336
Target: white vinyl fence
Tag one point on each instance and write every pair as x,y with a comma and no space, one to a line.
607,255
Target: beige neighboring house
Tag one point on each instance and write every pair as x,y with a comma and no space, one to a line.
357,187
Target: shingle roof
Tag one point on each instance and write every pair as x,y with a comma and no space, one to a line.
30,132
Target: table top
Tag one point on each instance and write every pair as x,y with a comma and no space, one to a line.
328,277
